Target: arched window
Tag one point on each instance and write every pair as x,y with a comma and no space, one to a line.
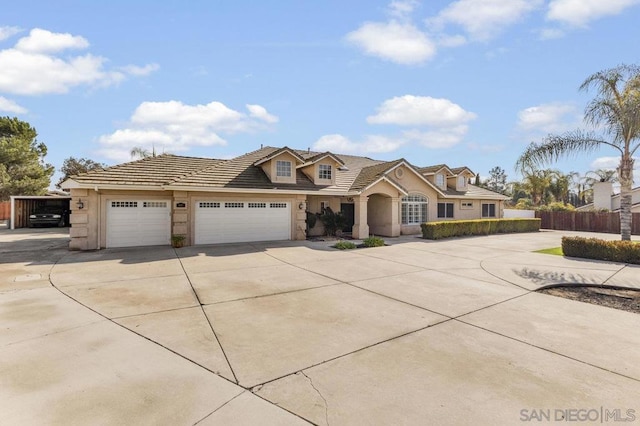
414,209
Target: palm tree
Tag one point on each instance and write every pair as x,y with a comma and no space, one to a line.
561,185
537,183
616,110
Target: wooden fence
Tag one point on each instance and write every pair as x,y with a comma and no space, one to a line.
5,210
586,221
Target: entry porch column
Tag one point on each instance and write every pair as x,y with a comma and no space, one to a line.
360,228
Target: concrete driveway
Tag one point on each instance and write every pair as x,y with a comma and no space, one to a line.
418,332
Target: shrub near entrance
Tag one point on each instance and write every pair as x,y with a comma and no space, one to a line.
457,228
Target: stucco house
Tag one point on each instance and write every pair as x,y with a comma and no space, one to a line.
264,195
605,199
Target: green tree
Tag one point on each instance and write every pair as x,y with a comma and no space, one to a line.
615,110
74,166
497,180
22,167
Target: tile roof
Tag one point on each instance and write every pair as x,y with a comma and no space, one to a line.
474,192
150,171
241,172
431,169
370,174
458,170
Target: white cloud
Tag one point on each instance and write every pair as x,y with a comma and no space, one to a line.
43,41
402,43
430,122
605,163
36,66
6,32
173,126
343,145
139,71
10,106
551,33
580,12
554,117
402,8
260,112
483,19
438,138
412,110
452,41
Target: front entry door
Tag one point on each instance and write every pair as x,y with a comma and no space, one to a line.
348,210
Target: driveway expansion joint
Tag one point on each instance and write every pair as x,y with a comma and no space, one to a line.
636,379
195,293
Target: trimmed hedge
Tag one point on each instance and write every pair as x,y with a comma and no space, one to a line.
594,248
457,228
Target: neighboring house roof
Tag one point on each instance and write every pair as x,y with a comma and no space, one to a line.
243,173
615,200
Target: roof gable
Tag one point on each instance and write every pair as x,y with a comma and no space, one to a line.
277,153
321,156
431,170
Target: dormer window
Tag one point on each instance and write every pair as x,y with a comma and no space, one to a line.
462,182
440,180
324,171
283,168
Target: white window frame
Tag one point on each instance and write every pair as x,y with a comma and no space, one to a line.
325,170
283,168
414,209
440,180
466,205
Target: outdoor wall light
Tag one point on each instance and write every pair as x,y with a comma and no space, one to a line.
301,206
80,204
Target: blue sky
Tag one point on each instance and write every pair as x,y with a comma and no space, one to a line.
466,82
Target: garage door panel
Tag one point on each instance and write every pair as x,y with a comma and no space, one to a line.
241,221
138,223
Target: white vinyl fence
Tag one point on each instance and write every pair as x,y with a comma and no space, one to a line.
513,213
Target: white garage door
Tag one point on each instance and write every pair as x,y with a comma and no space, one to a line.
242,221
138,223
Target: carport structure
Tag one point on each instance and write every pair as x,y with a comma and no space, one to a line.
24,205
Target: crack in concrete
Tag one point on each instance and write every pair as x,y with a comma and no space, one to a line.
326,404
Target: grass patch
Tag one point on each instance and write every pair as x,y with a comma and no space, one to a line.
557,251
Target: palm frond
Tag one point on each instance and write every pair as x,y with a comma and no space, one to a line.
555,147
